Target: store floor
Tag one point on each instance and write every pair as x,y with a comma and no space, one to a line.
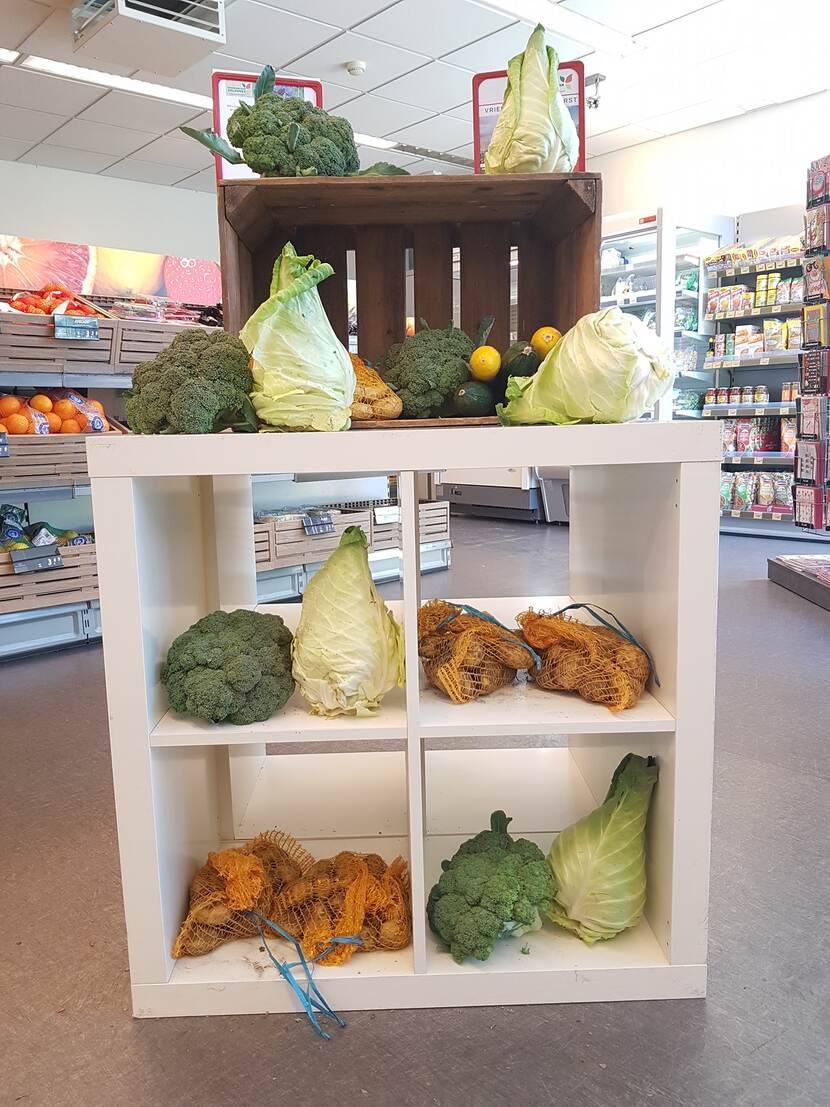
759,1039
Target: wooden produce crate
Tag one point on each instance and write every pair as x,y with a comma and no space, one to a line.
140,340
28,344
47,460
281,542
386,525
76,582
552,220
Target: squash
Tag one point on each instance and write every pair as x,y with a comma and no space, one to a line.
520,360
474,399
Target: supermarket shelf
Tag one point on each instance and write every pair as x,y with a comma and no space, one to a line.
759,313
762,528
756,516
696,336
645,297
723,411
755,267
647,263
769,459
808,576
679,413
785,359
44,492
34,378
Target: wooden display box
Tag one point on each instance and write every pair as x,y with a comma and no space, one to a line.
140,340
28,343
282,542
76,582
386,525
553,220
48,459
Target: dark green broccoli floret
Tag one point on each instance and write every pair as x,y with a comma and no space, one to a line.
230,666
427,369
493,886
200,381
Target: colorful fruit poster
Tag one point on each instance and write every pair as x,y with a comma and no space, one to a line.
30,263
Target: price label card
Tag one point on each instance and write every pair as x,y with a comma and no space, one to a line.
776,515
758,460
743,269
79,328
760,410
720,315
731,364
730,314
757,514
763,361
4,444
735,514
36,559
706,413
732,411
729,272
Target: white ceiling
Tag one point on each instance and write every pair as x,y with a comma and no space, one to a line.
693,62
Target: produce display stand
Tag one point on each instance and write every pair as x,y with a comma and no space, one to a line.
174,528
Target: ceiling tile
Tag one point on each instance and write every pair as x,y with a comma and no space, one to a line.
12,148
140,113
433,27
202,122
61,157
27,124
132,169
369,155
262,33
373,115
495,51
342,13
465,151
441,133
463,111
20,18
634,16
200,182
53,39
175,149
197,77
427,165
712,31
99,138
383,63
436,86
684,119
333,95
618,139
24,89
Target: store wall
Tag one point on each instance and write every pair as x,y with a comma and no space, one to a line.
57,204
757,160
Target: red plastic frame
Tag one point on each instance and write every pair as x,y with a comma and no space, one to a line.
480,77
224,75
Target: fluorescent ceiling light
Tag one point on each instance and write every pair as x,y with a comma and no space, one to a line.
377,143
112,80
562,21
9,55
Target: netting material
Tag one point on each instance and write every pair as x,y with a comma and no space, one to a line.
315,901
600,665
465,655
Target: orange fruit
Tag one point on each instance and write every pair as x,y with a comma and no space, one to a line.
81,420
98,406
54,422
3,429
17,424
106,425
40,403
70,426
65,409
544,339
9,405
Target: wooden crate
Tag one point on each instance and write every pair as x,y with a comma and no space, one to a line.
553,221
386,525
48,459
77,581
281,541
28,343
140,340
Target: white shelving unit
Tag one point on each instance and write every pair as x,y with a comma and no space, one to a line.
173,523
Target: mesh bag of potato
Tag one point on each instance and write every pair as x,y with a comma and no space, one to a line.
273,878
373,398
467,653
602,663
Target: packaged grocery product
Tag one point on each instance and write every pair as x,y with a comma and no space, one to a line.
747,302
727,482
797,290
743,331
815,319
725,298
761,282
760,394
812,418
87,414
786,392
818,181
810,508
815,371
760,297
765,436
728,435
735,394
743,435
747,394
817,228
729,345
44,534
782,292
765,491
736,298
743,490
788,434
793,334
719,345
817,278
811,461
711,396
774,337
722,396
712,298
12,515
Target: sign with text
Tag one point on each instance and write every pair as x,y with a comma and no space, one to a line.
36,559
80,328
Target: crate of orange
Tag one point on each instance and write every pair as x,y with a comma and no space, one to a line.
47,436
27,342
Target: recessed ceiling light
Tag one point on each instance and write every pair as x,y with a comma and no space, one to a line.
9,55
562,21
112,80
377,143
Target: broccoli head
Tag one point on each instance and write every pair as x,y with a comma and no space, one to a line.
230,666
493,886
288,137
427,369
194,386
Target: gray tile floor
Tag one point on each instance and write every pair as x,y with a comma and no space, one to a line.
759,1040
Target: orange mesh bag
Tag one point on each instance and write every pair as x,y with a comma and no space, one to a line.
373,398
467,653
350,895
234,881
601,664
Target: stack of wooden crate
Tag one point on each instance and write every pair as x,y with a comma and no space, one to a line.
75,582
48,460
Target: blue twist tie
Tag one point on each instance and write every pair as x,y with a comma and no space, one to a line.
309,996
537,661
620,629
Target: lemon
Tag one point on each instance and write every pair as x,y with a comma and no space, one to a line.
485,363
544,340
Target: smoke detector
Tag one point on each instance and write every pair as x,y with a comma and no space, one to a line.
356,68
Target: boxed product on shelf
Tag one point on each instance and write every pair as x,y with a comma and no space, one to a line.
794,333
743,435
788,434
811,462
817,228
775,335
743,490
727,485
817,278
811,510
797,290
765,434
813,418
782,291
815,321
729,430
815,372
818,181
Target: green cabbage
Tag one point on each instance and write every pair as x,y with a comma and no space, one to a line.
534,132
608,368
599,863
348,649
303,376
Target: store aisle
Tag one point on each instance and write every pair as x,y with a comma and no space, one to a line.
758,1041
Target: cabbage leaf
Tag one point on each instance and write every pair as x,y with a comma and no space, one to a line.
348,649
608,368
599,863
534,132
303,376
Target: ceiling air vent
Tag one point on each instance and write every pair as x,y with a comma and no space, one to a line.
161,36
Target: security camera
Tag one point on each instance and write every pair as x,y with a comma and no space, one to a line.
356,68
